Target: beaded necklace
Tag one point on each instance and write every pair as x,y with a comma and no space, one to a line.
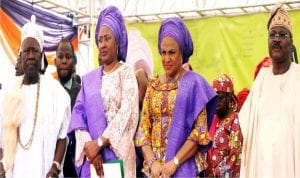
28,144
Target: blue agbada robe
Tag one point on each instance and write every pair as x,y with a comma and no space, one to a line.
88,114
194,94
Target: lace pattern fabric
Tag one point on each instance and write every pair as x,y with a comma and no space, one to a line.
120,99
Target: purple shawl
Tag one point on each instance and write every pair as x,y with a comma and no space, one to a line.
194,93
88,114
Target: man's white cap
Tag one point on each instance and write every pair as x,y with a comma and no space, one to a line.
31,29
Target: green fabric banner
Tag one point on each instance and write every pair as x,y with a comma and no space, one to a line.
232,45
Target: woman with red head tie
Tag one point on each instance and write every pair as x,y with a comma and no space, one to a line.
224,156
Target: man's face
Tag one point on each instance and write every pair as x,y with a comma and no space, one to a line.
31,57
64,61
18,67
280,44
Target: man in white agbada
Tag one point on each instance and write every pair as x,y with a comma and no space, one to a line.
35,115
270,117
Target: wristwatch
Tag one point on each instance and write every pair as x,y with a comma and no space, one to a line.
100,142
176,161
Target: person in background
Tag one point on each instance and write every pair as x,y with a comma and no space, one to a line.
139,57
177,109
270,116
105,114
241,98
65,64
35,114
142,79
224,156
265,62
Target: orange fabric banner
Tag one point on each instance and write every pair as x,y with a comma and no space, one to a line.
12,36
11,39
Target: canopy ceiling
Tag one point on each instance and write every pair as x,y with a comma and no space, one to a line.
155,10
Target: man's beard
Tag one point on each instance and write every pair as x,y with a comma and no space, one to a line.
66,78
31,74
32,77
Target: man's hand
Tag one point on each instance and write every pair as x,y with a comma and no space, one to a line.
91,149
53,172
98,164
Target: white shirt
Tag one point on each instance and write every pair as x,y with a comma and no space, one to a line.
68,85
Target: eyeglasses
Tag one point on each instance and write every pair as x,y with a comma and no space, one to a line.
281,36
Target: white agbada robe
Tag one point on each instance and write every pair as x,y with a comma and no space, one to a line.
52,124
270,123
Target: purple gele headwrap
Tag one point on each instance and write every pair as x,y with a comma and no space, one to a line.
175,28
113,19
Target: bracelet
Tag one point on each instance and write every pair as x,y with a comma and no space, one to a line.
151,160
57,165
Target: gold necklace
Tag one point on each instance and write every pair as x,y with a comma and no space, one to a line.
111,70
28,144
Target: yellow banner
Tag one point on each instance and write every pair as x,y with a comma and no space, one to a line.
231,45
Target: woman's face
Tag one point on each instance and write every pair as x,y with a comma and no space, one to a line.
223,105
171,56
107,46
